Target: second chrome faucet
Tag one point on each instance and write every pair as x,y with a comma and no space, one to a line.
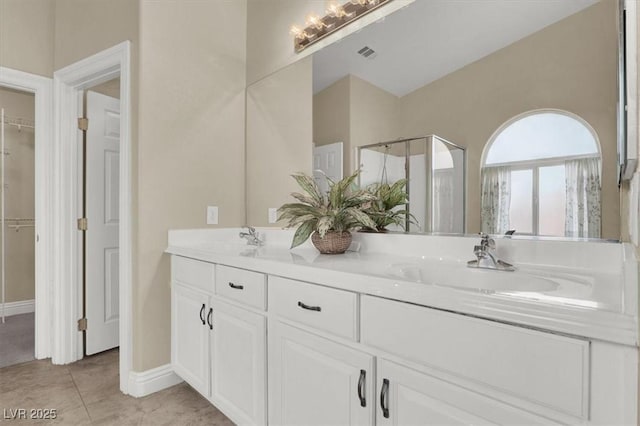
486,256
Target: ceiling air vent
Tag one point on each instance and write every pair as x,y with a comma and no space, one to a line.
367,52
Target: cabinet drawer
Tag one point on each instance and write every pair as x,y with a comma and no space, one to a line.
241,285
192,272
526,366
324,308
414,398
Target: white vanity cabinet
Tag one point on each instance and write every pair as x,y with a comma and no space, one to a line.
536,371
218,346
239,363
191,290
190,336
409,397
339,357
315,380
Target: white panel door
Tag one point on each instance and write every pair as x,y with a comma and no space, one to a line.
102,206
316,381
238,363
408,397
190,336
327,161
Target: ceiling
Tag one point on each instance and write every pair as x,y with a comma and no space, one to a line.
432,38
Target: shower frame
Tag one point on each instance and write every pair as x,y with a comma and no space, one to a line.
428,140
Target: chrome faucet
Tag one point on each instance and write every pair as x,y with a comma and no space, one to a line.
486,257
252,237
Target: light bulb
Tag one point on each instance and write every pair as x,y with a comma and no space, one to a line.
298,33
314,21
335,10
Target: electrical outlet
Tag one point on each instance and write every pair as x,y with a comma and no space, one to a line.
273,214
212,215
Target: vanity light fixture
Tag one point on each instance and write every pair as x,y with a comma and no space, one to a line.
337,16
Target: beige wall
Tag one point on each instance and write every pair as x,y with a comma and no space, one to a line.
279,138
20,196
109,88
26,35
374,117
40,36
554,68
190,147
355,112
83,27
331,116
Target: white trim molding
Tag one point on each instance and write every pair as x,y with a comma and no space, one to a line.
68,83
20,307
150,381
41,87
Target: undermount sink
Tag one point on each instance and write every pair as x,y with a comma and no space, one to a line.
483,280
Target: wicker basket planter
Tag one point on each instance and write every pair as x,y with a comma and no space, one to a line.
332,243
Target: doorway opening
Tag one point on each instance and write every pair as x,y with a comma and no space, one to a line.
17,226
69,86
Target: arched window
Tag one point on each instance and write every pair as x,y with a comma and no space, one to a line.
541,176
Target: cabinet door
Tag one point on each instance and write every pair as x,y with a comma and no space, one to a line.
189,336
409,397
238,363
316,381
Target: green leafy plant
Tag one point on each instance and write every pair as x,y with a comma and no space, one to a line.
340,210
383,209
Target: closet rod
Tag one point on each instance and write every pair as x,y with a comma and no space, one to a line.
17,227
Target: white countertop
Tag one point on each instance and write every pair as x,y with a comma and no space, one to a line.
574,296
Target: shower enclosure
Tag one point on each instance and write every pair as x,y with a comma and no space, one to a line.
435,171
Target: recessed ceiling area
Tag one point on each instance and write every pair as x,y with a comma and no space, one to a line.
429,39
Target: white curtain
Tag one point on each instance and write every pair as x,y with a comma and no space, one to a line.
583,212
496,199
443,191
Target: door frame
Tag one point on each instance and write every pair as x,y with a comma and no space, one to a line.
68,84
41,87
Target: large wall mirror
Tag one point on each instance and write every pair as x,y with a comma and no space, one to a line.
528,90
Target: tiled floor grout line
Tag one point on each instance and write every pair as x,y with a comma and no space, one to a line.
80,395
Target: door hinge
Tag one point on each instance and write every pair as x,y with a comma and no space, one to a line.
83,224
82,324
83,124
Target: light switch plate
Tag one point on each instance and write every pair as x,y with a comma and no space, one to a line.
273,214
212,215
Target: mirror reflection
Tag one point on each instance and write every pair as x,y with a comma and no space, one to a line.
434,170
526,91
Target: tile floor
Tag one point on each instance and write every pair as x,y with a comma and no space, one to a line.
87,393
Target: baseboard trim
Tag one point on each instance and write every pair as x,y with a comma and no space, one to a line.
147,382
19,307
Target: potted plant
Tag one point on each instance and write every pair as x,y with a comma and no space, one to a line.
383,209
330,217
